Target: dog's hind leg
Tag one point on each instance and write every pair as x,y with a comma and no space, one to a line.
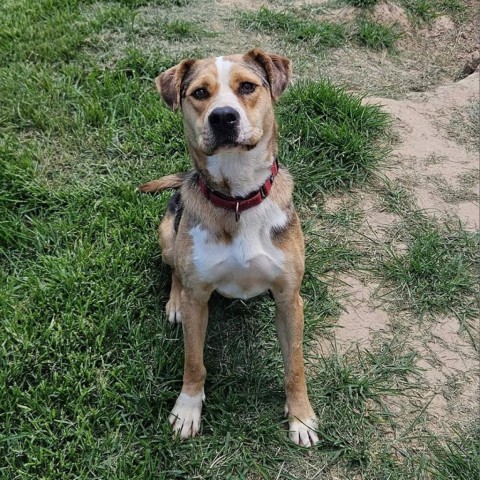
167,234
173,305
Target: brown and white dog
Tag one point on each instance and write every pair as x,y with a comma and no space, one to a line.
232,226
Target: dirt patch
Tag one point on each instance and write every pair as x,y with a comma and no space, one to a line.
344,14
440,172
361,317
391,14
422,122
359,320
440,26
387,13
450,367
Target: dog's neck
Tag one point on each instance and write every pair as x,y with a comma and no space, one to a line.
238,172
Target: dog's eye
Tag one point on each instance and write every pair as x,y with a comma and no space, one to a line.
247,87
200,93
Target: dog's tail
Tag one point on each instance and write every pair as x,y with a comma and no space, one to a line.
169,181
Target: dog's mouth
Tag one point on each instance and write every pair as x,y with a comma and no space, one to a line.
213,143
223,144
226,141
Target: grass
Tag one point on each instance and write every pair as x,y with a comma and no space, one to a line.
319,34
377,36
465,189
436,274
396,199
329,137
352,399
21,22
181,30
423,10
427,10
161,3
464,125
89,367
315,34
457,458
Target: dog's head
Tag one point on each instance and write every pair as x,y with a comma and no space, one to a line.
227,102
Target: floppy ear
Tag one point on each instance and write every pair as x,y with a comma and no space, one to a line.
277,68
169,83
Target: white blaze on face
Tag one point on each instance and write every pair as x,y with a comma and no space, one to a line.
245,170
227,98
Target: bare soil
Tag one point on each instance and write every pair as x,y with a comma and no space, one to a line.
425,157
426,151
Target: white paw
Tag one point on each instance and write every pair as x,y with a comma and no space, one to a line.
302,432
173,310
186,414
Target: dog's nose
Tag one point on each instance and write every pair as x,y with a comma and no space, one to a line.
224,119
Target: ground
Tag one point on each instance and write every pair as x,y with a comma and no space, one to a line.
428,165
380,130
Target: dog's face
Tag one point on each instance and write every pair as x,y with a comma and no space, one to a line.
227,102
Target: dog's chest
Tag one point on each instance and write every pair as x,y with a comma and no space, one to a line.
247,265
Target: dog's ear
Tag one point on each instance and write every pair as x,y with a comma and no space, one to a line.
169,83
277,68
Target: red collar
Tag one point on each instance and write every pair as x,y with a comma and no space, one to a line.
239,204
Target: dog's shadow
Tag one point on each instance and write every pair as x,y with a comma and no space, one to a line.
244,363
241,335
241,354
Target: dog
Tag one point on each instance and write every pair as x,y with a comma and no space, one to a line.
232,226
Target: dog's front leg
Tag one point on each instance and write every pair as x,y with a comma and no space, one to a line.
186,414
289,321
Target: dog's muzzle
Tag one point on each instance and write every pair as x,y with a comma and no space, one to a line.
224,122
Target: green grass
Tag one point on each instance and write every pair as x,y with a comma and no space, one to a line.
396,199
377,36
315,34
458,458
423,10
181,30
318,35
329,137
89,367
345,217
352,391
437,273
161,3
362,3
65,28
427,10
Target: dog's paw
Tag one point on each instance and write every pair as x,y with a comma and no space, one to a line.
172,309
302,432
186,415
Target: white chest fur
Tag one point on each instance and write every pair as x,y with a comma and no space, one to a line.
247,265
